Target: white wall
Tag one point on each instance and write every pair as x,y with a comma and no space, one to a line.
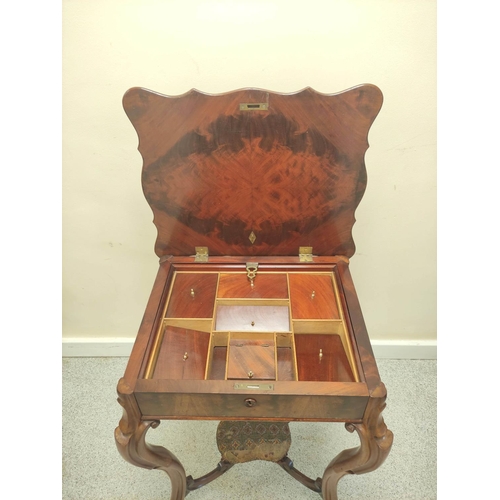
218,46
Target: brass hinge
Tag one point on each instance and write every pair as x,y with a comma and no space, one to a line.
201,254
305,254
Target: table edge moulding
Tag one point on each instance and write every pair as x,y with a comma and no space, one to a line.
253,319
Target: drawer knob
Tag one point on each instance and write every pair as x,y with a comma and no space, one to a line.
250,402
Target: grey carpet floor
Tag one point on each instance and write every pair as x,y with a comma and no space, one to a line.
93,469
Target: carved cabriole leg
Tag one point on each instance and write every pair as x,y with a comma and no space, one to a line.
376,442
130,437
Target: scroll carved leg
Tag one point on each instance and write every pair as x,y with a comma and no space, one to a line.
130,437
376,442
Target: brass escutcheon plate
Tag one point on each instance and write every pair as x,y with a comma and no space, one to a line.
254,106
261,387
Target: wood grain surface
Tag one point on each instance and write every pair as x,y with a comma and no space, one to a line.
193,295
172,362
332,366
266,286
251,356
312,296
292,174
259,182
252,318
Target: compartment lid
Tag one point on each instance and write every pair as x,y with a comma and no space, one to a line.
253,172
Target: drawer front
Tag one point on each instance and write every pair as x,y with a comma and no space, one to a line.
251,406
193,295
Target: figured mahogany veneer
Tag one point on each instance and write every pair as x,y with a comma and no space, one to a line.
284,359
313,297
343,385
176,342
292,174
301,337
253,175
268,286
332,365
192,296
251,356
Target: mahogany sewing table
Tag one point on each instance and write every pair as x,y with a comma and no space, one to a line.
253,319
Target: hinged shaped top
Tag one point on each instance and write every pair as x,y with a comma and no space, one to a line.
253,172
